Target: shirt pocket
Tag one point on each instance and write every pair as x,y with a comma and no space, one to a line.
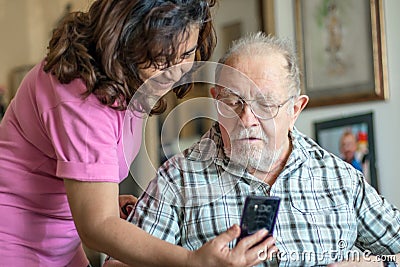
324,218
310,200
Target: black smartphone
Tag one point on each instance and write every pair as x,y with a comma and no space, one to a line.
259,212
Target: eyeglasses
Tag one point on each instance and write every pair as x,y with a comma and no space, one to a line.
233,106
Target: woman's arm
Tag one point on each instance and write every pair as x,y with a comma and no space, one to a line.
95,209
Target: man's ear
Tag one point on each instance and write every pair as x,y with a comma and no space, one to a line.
299,104
213,92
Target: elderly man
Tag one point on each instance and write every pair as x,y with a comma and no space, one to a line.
327,209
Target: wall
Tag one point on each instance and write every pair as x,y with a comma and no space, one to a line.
386,124
25,27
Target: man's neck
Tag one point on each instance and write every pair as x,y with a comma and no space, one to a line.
271,176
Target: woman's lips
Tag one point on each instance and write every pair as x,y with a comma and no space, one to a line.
159,88
166,84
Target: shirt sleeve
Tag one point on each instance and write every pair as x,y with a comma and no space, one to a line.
157,211
378,221
84,136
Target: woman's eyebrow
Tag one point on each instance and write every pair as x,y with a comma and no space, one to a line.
190,50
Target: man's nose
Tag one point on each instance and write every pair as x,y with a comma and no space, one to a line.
248,118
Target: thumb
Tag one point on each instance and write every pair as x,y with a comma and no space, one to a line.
229,235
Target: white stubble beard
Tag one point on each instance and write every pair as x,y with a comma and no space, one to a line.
259,157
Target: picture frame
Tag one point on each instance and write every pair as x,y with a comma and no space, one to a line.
330,135
342,50
267,16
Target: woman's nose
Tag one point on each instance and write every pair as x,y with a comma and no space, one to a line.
176,72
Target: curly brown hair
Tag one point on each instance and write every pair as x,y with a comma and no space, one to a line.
105,45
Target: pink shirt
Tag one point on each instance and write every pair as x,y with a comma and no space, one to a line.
48,133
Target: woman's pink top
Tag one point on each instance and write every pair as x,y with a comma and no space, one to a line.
49,132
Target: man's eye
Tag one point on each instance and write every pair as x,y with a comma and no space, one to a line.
263,104
232,102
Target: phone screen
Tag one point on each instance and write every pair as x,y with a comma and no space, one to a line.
259,212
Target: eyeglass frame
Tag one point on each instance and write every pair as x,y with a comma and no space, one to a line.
245,101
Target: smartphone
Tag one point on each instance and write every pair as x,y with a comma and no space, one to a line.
259,212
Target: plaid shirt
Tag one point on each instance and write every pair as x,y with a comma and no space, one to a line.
326,210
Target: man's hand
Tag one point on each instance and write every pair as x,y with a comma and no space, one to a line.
126,204
114,263
217,253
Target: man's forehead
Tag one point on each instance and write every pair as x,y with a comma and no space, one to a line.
232,78
228,73
247,93
252,77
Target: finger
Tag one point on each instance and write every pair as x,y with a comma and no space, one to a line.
249,241
228,236
129,208
123,199
122,214
272,252
126,209
256,257
266,245
131,199
114,263
260,252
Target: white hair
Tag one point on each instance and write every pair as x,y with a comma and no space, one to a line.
260,44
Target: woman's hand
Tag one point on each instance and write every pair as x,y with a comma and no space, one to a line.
126,204
217,253
114,263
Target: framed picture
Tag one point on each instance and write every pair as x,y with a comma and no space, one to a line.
352,139
342,50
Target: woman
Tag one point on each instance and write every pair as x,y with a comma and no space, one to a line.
61,151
